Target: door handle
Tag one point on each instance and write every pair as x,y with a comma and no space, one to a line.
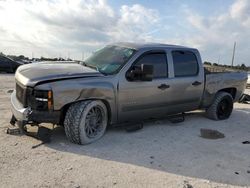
196,83
163,86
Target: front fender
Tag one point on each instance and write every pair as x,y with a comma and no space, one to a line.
70,91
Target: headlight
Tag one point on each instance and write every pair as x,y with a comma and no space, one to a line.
42,100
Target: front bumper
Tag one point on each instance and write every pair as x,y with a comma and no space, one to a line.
20,113
28,115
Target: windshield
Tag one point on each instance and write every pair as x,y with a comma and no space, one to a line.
110,59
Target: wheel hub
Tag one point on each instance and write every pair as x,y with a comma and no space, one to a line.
224,109
93,122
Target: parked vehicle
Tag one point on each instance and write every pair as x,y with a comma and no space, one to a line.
8,65
122,83
248,80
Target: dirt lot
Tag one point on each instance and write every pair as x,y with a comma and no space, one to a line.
160,155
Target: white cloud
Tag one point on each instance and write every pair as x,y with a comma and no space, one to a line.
134,23
54,27
240,9
215,34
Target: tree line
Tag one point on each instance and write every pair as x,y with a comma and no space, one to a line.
238,67
23,58
206,63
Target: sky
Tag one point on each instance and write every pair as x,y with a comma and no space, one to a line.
76,28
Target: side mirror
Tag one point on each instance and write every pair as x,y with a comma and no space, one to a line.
142,73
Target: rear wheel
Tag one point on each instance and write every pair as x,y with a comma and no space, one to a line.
86,121
221,107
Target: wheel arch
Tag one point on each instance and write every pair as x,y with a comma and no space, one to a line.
231,90
66,107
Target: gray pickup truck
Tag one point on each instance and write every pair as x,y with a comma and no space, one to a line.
121,83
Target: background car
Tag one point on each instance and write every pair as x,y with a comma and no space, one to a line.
8,65
248,80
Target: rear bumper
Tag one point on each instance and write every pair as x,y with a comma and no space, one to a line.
28,115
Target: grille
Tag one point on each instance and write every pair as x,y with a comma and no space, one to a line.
20,94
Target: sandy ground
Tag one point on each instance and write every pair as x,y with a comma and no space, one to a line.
162,154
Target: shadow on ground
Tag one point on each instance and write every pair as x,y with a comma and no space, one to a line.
176,148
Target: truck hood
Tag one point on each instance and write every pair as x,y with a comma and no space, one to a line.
32,74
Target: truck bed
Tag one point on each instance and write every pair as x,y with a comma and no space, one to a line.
216,81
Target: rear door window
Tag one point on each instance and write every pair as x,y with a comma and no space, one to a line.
185,63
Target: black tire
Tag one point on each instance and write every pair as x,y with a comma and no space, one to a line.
81,125
221,107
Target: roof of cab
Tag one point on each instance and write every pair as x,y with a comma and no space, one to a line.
138,46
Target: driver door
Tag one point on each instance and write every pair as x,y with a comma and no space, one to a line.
144,99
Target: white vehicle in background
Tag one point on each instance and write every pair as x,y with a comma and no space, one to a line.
248,80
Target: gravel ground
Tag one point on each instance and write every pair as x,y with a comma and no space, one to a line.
162,154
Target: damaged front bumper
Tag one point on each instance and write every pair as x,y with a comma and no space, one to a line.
20,113
27,115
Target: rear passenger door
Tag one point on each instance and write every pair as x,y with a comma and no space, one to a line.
188,80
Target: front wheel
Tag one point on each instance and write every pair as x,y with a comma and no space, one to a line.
86,121
221,107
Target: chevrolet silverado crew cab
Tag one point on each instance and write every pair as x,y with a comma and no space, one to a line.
121,83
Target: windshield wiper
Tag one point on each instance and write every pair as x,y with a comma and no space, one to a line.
87,65
93,67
